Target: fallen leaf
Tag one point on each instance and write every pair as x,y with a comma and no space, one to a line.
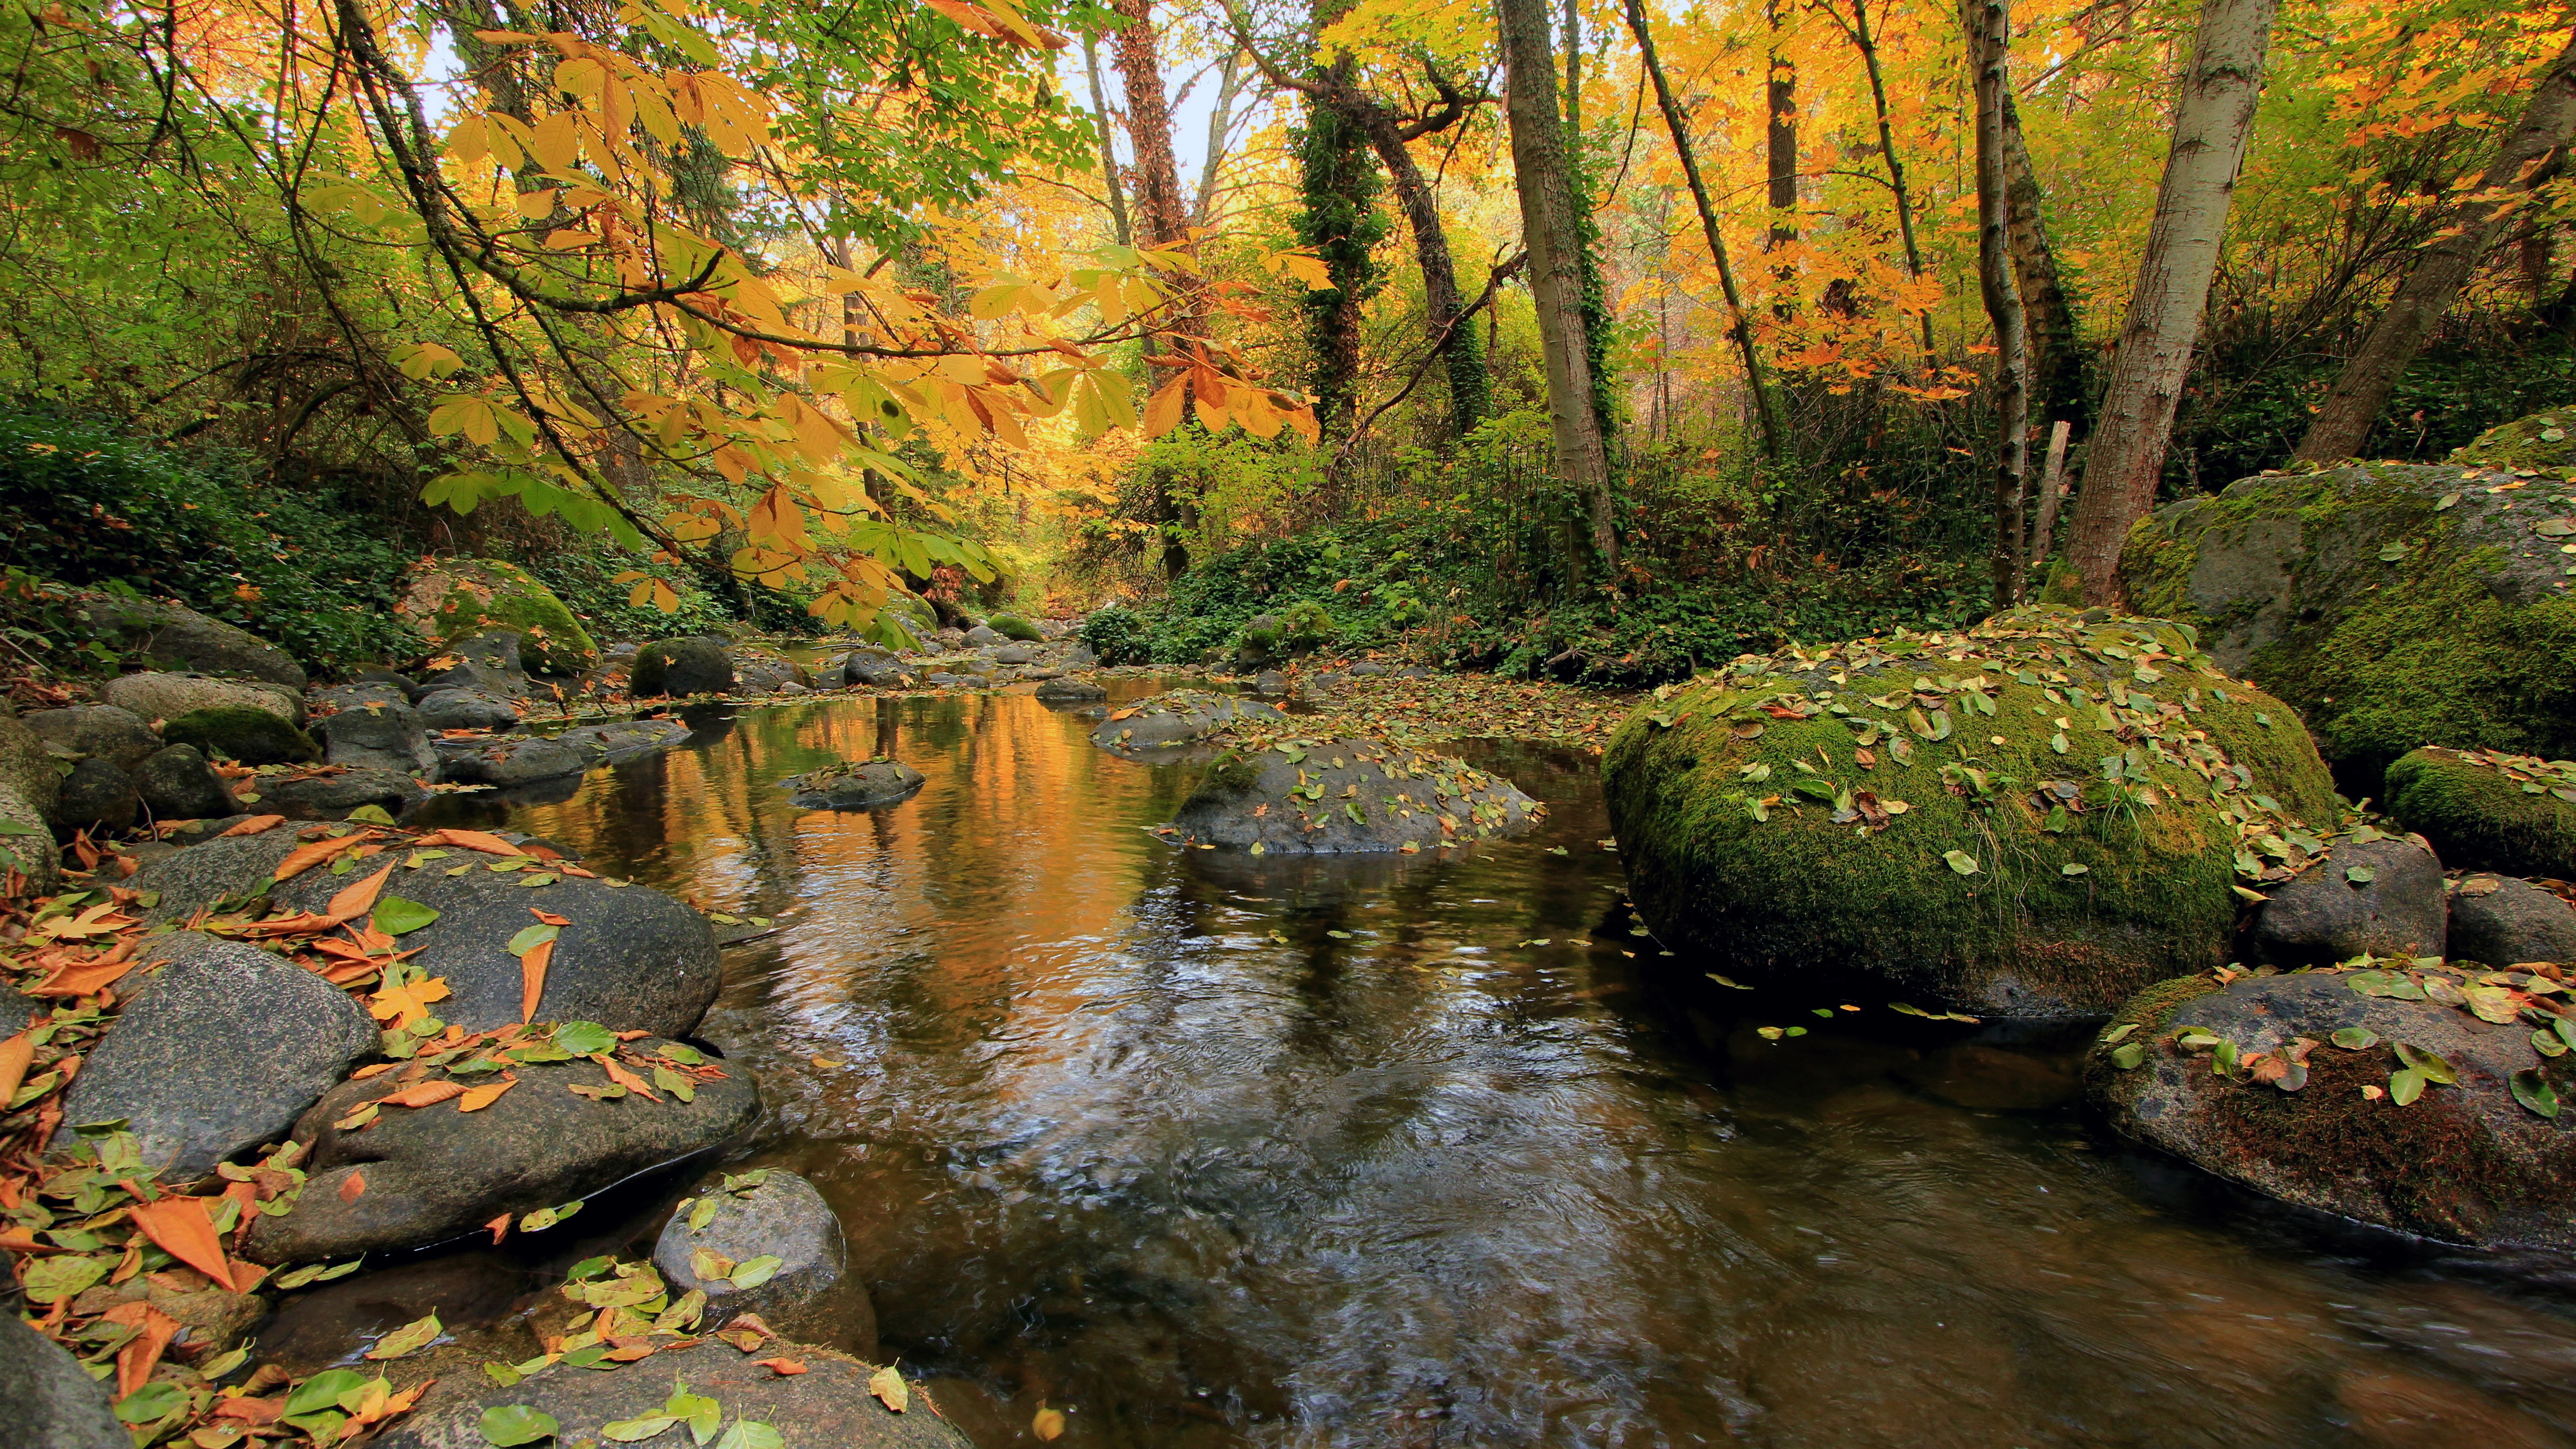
15,1055
411,1338
255,825
471,840
136,1360
478,1098
788,1367
304,857
180,1227
499,1228
353,1187
1048,1424
888,1385
356,900
532,976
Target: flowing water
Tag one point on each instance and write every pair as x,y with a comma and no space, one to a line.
1207,1150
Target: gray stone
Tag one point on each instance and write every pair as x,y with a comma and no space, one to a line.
332,792
509,760
876,668
1406,798
826,1407
1271,681
97,797
810,1297
609,744
679,667
982,635
217,1053
99,730
465,709
2501,921
1181,717
857,785
1364,670
1017,654
176,783
1081,657
435,1173
373,726
759,674
250,735
189,640
2325,915
51,1403
1064,690
150,697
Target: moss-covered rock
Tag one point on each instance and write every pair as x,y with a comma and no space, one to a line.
1181,717
2541,441
1012,626
252,736
2036,817
695,665
2394,605
2485,810
2291,1085
455,599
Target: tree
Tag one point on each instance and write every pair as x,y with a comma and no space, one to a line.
1339,222
1552,230
2473,229
2056,358
1988,24
2213,118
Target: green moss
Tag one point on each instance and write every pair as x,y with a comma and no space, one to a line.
2018,935
1229,776
2525,443
457,599
1012,626
2479,818
242,732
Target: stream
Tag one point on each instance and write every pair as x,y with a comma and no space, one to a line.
1209,1150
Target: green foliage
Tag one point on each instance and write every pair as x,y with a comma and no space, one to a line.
1306,626
1340,222
94,507
1118,635
482,596
584,580
2480,817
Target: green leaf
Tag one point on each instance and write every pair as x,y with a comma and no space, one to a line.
12,827
2531,1091
2128,1054
2547,1043
2071,868
2447,501
511,1424
2435,1068
411,1338
372,814
703,1213
322,1391
2391,553
2405,1085
531,938
1960,861
2360,875
751,1434
50,1280
753,1273
584,1038
396,916
2355,1038
629,1431
151,1403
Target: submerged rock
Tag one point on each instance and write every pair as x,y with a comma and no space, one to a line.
2379,896
2486,810
1933,810
854,786
736,1218
1337,795
240,732
1184,716
676,667
452,600
52,1403
425,1174
2465,1161
2500,921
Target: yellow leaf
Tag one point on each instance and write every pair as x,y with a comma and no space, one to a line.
1163,410
556,140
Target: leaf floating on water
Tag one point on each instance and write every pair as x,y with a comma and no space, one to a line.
1728,982
2531,1091
888,1385
1960,861
1048,1424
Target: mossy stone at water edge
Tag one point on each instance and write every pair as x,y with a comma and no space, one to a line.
677,667
2462,1163
2395,605
455,599
2543,440
2485,810
1012,626
252,736
1337,795
1725,797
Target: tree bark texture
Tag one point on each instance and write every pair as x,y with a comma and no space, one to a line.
2056,361
1108,150
1161,216
1988,25
2475,228
1868,47
2213,118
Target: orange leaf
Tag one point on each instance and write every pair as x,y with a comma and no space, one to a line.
254,826
353,1187
305,857
783,1367
179,1227
135,1361
532,978
15,1055
1163,410
250,1411
499,1227
625,1078
548,917
379,1069
422,1094
408,1005
356,900
472,840
81,980
484,1096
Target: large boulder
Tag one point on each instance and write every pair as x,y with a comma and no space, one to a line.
182,638
176,783
508,760
1341,795
451,600
101,731
678,667
30,787
1184,716
331,792
153,697
2034,817
217,1052
97,797
240,732
828,1406
767,1213
632,958
52,1403
856,785
2304,1086
2395,605
374,727
2500,921
2379,896
875,668
487,664
2487,810
1068,690
405,1177
465,709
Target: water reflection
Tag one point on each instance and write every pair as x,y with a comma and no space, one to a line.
1212,1151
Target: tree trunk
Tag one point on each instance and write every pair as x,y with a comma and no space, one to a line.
1780,96
1741,330
1108,150
1339,223
1220,120
1868,48
1162,220
2056,362
1989,29
2212,120
1552,231
2473,228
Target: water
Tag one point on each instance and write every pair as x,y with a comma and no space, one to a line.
1215,1151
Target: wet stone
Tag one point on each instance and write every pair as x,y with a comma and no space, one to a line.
2381,896
857,785
1317,796
1181,717
51,1403
2500,921
176,783
732,1219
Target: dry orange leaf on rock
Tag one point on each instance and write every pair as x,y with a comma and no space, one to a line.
179,1227
423,1094
783,1367
304,857
257,824
353,1187
484,1096
407,1005
356,900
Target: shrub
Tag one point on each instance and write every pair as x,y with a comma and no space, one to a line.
1117,634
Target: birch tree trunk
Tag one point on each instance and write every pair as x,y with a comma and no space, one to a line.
1988,25
2213,119
1108,150
2056,360
2474,229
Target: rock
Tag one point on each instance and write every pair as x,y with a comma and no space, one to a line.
456,599
218,1053
2326,914
1270,681
609,744
983,634
487,664
240,732
538,1145
97,797
182,638
332,792
1407,799
826,1407
1070,691
465,709
176,783
2001,930
509,760
150,697
210,1318
762,674
676,667
2391,604
2486,810
856,785
1012,626
52,1403
101,731
2500,921
875,668
1017,654
1178,718
374,727
1081,657
2464,1163
1364,670
780,1215
632,959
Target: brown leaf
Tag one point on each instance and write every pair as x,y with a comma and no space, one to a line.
783,1367
83,144
254,826
356,900
305,857
250,1411
549,917
15,1055
135,1361
484,1096
180,1227
625,1078
353,1188
471,840
499,1228
70,980
423,1094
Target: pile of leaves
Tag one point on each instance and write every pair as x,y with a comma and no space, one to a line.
1476,706
2534,775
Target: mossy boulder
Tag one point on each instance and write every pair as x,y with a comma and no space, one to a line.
2395,605
2541,441
1012,626
2035,817
1333,796
677,667
456,599
2486,810
854,785
2290,1085
249,735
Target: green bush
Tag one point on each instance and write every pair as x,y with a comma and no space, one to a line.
1012,626
1117,634
1306,627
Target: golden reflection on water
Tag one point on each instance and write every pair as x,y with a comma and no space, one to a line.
1213,1151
